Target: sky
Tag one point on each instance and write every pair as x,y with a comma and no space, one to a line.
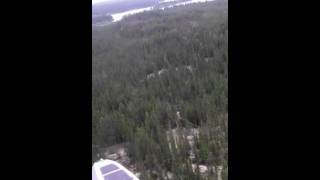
96,1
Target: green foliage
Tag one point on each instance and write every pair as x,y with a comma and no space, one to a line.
151,65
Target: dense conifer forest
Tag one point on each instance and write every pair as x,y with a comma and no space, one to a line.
160,88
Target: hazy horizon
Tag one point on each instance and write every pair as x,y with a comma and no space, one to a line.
98,1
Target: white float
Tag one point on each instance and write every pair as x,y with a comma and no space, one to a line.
111,170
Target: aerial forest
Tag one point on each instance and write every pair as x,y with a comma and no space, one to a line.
160,88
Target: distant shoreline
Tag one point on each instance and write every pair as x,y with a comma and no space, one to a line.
119,16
